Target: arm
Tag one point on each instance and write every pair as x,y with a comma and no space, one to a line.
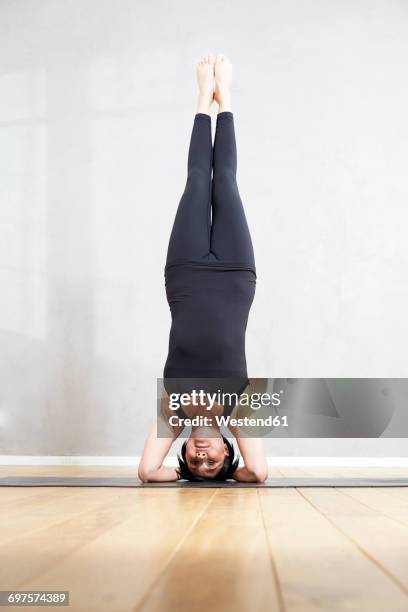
252,451
151,468
255,465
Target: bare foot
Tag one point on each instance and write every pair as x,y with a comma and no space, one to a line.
205,78
223,78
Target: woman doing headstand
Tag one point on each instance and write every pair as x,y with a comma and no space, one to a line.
210,279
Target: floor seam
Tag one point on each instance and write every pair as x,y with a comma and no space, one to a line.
275,573
143,600
391,518
385,571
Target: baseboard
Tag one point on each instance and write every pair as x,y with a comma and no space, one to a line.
77,460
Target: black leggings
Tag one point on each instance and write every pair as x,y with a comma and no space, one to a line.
196,234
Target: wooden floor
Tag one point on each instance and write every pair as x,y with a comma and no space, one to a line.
166,550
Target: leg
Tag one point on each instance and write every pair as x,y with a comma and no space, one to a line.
190,236
230,237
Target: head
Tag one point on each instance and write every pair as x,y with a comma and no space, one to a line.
207,459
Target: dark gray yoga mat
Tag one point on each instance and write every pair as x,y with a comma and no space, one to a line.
133,482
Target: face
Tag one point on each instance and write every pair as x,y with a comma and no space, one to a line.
205,456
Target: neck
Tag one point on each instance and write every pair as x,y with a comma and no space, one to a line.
210,431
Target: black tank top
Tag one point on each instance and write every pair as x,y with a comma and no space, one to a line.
209,304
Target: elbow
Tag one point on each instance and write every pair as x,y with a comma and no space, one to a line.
143,474
261,476
260,473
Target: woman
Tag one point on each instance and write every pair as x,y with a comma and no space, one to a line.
210,284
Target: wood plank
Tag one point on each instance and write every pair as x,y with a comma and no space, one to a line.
73,527
19,495
319,568
292,472
327,472
383,540
224,562
43,510
115,559
67,470
399,492
380,500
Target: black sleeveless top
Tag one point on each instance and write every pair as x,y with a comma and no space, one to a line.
209,304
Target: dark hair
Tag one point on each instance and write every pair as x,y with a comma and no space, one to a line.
227,470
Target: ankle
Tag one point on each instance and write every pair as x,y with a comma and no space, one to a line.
204,104
224,104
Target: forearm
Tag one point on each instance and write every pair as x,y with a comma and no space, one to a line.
162,474
255,467
155,449
242,474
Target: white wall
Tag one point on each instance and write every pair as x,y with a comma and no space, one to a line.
97,100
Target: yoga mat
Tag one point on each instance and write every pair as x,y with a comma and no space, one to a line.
131,482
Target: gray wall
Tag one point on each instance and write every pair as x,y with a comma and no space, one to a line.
96,105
